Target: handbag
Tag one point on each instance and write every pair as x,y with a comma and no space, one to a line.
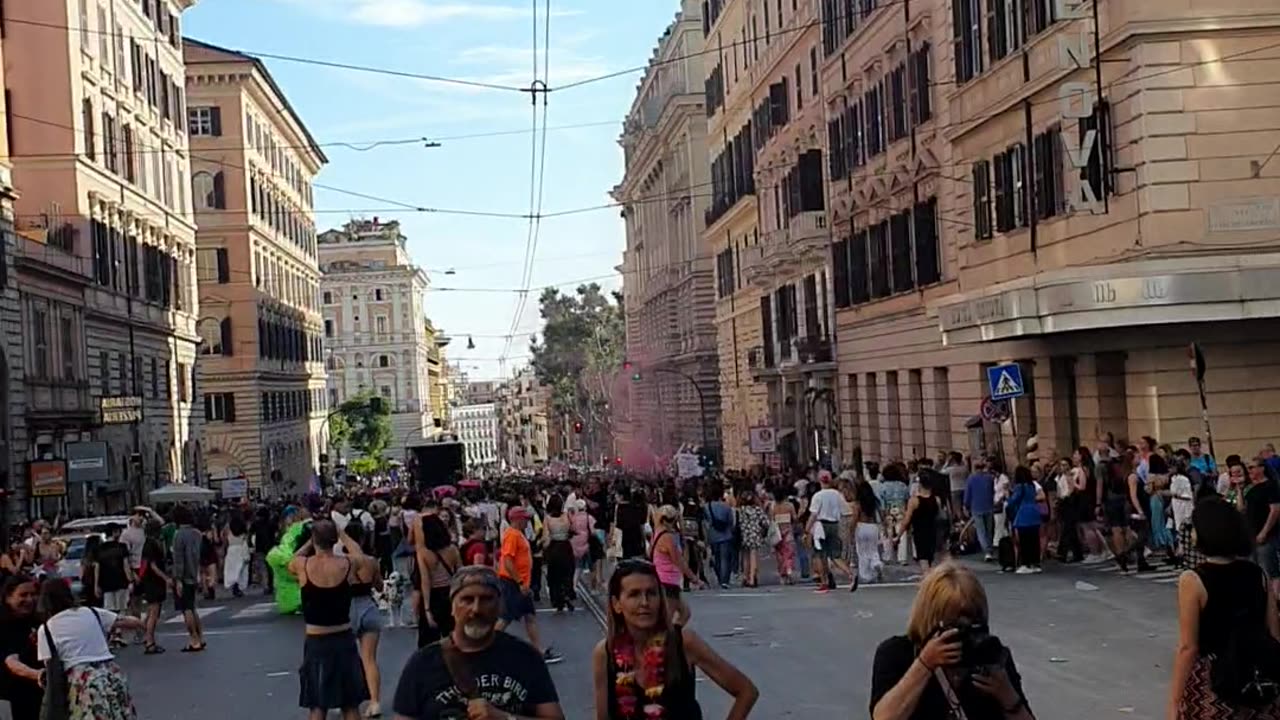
774,535
57,691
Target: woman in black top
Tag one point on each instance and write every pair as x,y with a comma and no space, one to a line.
21,674
89,594
924,675
642,654
1223,605
631,519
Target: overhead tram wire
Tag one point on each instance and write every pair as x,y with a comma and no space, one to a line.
539,176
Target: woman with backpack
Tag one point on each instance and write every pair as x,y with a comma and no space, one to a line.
1227,665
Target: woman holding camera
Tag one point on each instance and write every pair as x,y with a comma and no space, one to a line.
947,665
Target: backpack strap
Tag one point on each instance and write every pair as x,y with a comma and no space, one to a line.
458,670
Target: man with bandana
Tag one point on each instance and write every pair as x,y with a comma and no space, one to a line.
478,672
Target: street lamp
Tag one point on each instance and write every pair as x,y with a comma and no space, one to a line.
702,399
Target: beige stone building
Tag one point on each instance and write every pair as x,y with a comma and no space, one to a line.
260,367
372,299
522,406
438,376
12,395
106,255
996,206
667,270
767,226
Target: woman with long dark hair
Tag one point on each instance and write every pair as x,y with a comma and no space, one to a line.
21,673
646,666
96,686
89,592
438,560
559,555
1025,518
866,533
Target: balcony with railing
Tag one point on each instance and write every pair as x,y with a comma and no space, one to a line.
808,235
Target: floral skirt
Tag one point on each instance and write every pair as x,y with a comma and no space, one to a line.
1200,703
99,691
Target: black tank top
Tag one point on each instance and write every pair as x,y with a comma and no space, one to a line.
1237,597
361,590
926,514
327,606
679,698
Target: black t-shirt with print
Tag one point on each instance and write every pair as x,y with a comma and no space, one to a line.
510,674
894,658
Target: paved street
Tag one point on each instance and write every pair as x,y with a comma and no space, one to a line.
249,671
1098,650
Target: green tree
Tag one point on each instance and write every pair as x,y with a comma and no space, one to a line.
580,353
363,423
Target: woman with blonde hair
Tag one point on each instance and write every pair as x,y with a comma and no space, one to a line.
647,665
667,554
948,664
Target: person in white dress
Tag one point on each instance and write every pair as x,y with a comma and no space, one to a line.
235,565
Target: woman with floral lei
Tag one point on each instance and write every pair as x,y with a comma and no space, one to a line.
645,668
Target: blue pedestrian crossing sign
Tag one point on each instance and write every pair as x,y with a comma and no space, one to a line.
1005,381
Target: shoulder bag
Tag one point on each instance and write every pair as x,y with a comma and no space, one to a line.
57,691
458,670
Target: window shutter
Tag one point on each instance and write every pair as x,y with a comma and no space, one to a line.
215,120
766,329
220,190
229,403
208,407
840,271
225,328
224,267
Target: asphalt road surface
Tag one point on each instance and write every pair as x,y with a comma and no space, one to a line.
1101,649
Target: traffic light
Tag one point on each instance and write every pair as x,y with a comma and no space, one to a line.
577,427
617,461
631,368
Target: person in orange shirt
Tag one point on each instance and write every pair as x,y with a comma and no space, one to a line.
515,568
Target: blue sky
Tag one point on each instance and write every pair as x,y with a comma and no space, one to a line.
486,40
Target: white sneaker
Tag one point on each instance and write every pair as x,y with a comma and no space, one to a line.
1037,569
988,557
1024,570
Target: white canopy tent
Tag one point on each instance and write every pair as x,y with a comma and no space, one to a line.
181,493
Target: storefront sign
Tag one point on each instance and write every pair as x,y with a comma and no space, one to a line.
87,462
1075,52
1139,292
1245,214
987,310
121,409
47,478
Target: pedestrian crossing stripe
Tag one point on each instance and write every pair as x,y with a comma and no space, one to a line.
1007,387
202,612
255,611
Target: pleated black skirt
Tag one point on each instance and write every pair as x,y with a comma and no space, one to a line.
331,676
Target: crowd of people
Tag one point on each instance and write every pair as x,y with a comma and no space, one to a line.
462,565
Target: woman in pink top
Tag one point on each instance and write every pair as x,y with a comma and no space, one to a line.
668,560
582,525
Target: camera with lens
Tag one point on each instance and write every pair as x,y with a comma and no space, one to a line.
979,649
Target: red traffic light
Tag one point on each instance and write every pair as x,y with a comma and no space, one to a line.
577,427
617,461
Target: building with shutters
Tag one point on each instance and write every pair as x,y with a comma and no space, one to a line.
260,367
12,395
767,227
477,427
667,276
372,299
1087,217
105,255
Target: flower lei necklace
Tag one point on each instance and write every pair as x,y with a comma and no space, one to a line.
635,700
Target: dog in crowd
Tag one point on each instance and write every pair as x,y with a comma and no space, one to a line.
391,597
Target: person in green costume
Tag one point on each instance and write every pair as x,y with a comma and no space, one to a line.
288,592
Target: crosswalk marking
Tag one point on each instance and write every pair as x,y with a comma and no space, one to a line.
261,609
203,612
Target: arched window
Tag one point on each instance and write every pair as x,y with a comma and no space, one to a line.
211,336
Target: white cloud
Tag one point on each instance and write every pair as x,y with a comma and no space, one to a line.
415,13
